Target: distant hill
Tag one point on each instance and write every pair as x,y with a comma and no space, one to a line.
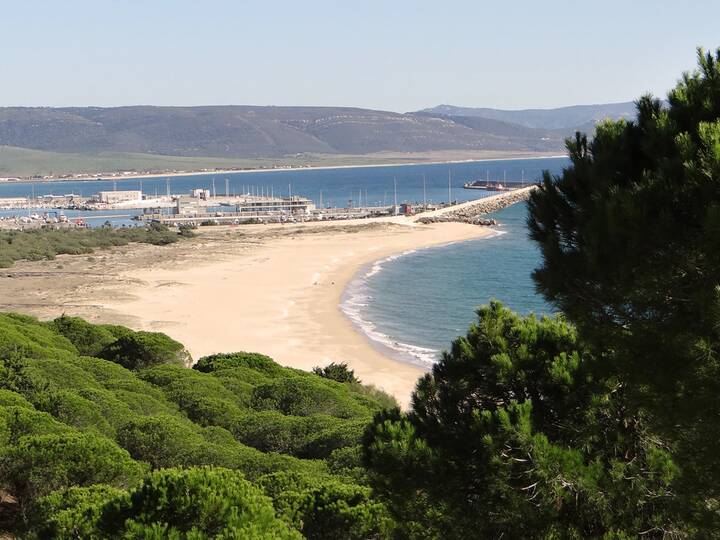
35,139
240,131
563,118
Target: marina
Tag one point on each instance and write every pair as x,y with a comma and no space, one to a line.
261,197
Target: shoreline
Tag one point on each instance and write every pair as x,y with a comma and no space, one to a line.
276,290
294,317
106,177
407,353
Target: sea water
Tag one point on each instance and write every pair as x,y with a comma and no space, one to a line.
356,186
413,304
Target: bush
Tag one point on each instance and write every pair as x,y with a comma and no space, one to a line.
70,513
196,503
324,508
187,231
321,443
305,396
146,349
89,339
337,372
74,410
20,421
26,336
258,362
13,399
40,464
161,441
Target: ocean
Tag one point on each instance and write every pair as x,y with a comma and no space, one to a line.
410,305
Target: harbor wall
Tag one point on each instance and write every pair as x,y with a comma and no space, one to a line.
473,211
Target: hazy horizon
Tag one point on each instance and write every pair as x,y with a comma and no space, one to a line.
399,57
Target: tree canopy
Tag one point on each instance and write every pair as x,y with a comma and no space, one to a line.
603,422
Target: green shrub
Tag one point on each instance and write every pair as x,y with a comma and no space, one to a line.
201,396
268,431
26,336
258,362
21,421
187,231
56,405
40,464
13,399
195,503
305,396
74,410
145,349
324,508
161,441
71,513
337,372
89,339
116,330
320,444
347,462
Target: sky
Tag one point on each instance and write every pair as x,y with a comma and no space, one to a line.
396,55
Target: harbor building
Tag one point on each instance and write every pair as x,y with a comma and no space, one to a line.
113,197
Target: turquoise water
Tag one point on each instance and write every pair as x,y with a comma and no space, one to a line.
414,304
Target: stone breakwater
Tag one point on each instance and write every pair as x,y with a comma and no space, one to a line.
472,211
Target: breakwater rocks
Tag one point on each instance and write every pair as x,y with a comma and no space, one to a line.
477,220
473,211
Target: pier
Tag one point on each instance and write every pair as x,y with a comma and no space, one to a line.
473,211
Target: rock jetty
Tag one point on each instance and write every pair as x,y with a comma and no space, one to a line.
473,211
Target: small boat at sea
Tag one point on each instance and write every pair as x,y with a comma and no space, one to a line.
487,185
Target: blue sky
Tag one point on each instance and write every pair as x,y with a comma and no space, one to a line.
396,55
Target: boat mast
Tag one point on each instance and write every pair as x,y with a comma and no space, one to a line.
395,186
449,186
424,193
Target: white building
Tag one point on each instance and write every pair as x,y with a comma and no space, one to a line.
112,197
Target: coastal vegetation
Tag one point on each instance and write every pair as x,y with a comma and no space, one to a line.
47,243
105,433
600,422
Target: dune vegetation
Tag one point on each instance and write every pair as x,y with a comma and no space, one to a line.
47,243
99,422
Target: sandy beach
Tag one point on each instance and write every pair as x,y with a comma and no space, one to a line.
270,289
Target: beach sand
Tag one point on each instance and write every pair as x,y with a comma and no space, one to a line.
269,289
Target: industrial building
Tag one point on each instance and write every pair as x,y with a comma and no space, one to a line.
113,197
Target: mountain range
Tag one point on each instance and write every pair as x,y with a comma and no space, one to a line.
277,132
